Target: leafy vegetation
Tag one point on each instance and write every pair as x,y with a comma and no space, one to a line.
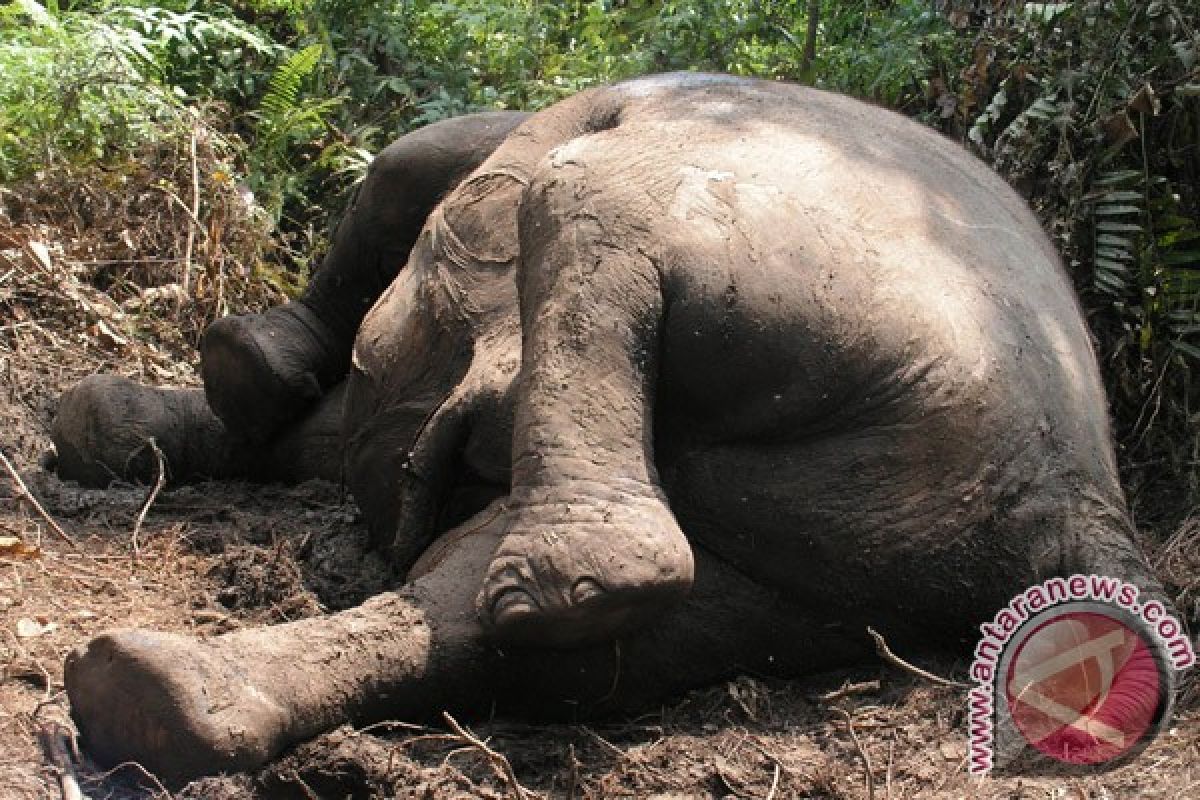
1090,108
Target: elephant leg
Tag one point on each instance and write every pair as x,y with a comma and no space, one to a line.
105,426
184,707
310,448
261,371
403,184
592,547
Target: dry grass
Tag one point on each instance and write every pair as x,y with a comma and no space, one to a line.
213,558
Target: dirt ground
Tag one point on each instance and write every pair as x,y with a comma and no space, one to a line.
220,556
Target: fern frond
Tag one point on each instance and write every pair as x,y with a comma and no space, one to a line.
1117,210
36,12
283,91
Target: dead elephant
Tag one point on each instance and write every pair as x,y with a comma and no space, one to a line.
718,369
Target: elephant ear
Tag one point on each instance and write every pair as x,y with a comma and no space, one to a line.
477,224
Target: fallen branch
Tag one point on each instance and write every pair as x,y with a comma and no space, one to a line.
23,490
862,752
885,652
498,761
159,482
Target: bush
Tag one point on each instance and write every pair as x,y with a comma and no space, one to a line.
76,90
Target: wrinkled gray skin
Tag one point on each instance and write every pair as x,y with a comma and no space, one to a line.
274,381
748,367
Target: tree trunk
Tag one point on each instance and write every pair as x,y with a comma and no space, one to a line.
810,37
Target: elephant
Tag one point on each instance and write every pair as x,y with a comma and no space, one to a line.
677,378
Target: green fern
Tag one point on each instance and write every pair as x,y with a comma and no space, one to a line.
1117,222
282,98
289,124
1146,257
284,115
1178,244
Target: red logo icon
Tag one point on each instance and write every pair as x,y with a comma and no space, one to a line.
1084,688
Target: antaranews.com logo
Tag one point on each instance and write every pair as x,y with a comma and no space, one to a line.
1073,672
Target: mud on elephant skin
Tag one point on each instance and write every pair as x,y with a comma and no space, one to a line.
746,367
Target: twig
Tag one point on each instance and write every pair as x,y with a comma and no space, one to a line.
573,775
53,746
391,723
52,702
847,689
885,652
612,749
28,495
780,770
12,671
294,777
158,485
732,787
498,761
186,278
106,262
774,782
179,201
862,752
147,774
887,783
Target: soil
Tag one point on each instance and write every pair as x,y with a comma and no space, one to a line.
220,556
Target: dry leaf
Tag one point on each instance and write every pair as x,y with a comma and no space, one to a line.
28,628
1119,129
172,293
41,254
12,547
1145,101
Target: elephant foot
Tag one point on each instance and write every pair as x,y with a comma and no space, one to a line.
574,570
262,371
180,707
104,427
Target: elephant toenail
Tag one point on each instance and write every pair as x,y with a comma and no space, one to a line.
586,589
513,604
